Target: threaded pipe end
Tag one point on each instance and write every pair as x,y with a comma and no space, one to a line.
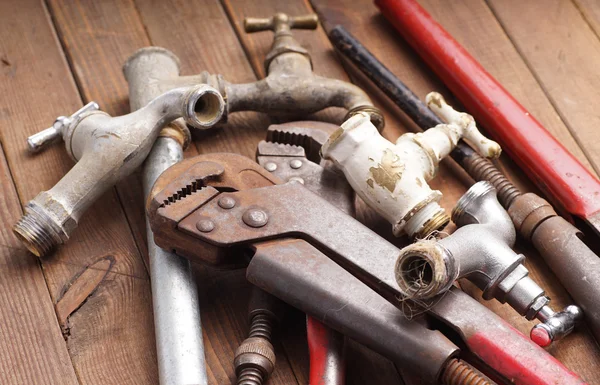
458,372
480,168
261,326
250,376
36,233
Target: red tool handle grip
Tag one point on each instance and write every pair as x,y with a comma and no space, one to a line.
326,351
551,166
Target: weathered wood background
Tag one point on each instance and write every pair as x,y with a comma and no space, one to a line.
84,315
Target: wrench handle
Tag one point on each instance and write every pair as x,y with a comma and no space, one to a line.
547,162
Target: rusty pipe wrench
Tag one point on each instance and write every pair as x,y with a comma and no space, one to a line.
549,164
268,218
291,152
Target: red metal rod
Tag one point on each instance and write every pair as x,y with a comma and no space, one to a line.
548,163
326,350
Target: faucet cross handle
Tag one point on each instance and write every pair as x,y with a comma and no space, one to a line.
280,22
42,139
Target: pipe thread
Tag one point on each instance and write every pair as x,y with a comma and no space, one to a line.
458,372
35,233
250,376
261,326
480,168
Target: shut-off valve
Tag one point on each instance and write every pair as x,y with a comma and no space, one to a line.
392,178
481,251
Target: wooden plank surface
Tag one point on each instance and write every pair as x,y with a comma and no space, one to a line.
32,348
563,52
98,282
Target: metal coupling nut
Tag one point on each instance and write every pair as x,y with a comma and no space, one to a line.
255,353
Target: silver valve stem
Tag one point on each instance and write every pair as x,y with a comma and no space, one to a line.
37,142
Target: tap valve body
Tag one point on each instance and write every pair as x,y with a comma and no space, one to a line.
481,251
392,178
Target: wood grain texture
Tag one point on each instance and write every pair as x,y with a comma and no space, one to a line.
362,19
32,348
110,333
563,52
590,10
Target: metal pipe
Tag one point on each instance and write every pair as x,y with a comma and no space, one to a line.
176,308
177,324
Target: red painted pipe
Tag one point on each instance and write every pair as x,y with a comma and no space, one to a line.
550,165
326,351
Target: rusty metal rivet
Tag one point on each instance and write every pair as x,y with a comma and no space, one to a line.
227,202
270,167
255,218
296,179
205,225
296,163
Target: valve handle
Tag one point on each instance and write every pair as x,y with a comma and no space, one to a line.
281,22
556,325
42,139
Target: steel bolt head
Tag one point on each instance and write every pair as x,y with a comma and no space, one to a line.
255,218
205,225
296,163
296,179
227,202
270,167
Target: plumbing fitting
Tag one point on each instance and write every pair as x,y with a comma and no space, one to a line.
106,149
481,251
392,178
290,88
255,357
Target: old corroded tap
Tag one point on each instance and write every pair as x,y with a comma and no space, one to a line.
290,88
106,150
392,177
481,251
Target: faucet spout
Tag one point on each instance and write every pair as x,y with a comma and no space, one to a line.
106,150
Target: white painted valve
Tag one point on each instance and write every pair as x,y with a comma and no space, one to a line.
392,178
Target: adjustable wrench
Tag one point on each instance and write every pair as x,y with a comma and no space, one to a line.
291,231
291,152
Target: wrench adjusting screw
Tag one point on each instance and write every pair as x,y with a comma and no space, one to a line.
255,218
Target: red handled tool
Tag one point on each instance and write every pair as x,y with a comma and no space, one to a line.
550,165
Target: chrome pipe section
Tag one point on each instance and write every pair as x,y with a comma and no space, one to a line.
481,251
177,323
106,150
179,344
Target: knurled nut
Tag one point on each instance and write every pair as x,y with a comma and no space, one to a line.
257,345
528,211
